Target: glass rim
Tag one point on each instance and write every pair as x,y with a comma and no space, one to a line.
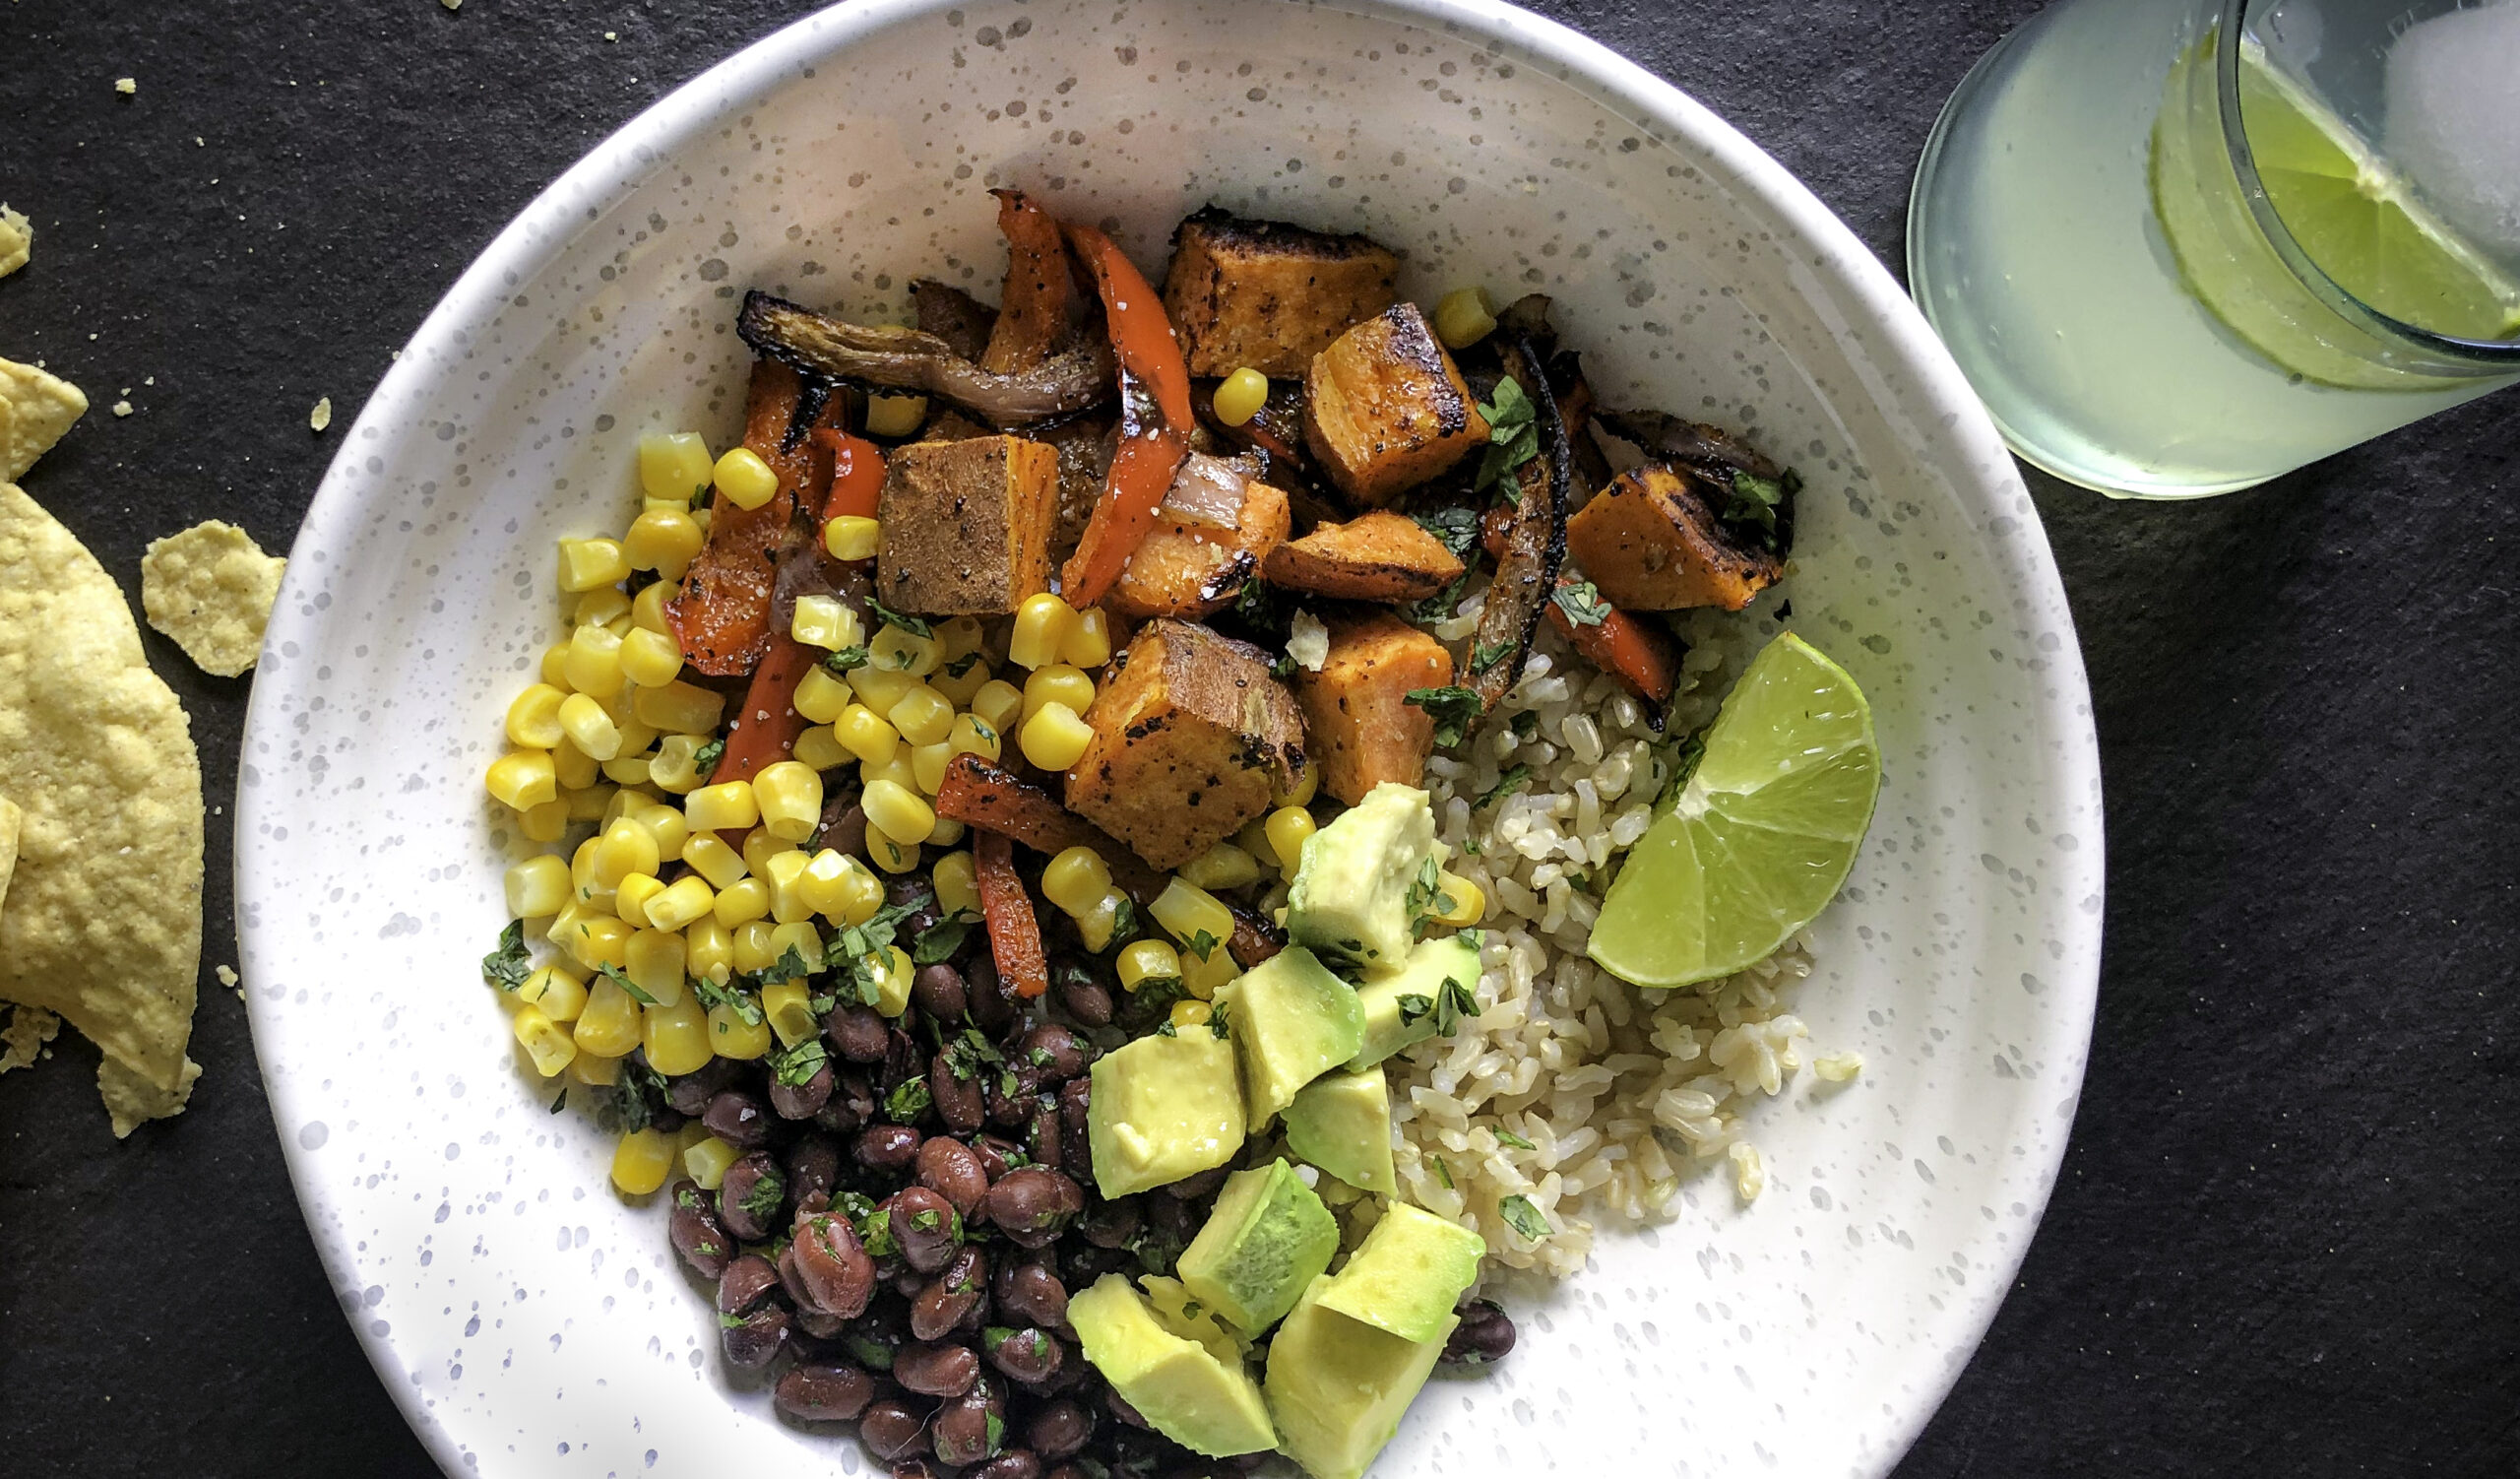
2488,354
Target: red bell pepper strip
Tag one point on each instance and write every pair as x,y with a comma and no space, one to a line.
1156,418
721,613
1013,934
766,727
856,474
1031,312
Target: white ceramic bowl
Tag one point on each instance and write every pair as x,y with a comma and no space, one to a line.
531,1323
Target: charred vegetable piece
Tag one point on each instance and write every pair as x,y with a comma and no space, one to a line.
767,726
893,358
1655,541
1014,931
1385,407
963,321
721,613
1639,654
985,798
1375,556
966,525
1692,444
1533,544
1189,738
1214,529
1358,722
1031,315
857,470
1266,294
1155,421
1085,448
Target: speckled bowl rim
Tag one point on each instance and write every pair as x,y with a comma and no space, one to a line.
623,162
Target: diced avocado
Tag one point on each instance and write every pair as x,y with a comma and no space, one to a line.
1164,1108
1351,897
1400,1010
1291,1021
1408,1274
1337,1388
1342,1124
1267,1239
1182,1313
1206,1405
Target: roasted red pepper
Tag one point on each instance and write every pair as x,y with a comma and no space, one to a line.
721,613
1156,418
766,727
856,474
1013,934
1031,312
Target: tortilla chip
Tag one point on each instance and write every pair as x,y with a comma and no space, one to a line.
211,588
10,819
132,1101
16,240
22,1041
35,408
104,917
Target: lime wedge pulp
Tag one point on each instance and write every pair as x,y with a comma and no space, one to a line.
1755,844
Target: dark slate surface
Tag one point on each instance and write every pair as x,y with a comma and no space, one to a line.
2289,1225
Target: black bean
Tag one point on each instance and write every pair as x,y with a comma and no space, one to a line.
1169,1218
1031,1205
1030,1355
1485,1336
1014,1463
892,1428
936,1371
1058,1428
802,1101
950,1297
753,1341
959,1101
824,1392
691,1093
857,1033
813,1173
752,1197
1030,1291
1194,1186
924,1225
747,1281
993,1004
951,1170
738,1118
817,1324
1043,1139
938,990
903,1058
1057,1052
1076,1137
997,1156
886,1147
833,1269
1119,1407
852,1104
1111,1224
960,1435
697,1234
1085,999
1088,1263
1012,1092
913,1466
843,829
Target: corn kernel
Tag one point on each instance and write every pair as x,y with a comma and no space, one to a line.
626,770
897,768
1088,645
1097,925
816,749
522,778
555,992
1464,317
852,537
865,734
960,637
825,882
534,717
648,659
725,807
744,480
676,1037
709,950
1075,879
672,465
635,736
593,663
1202,977
1190,1011
595,1072
1221,866
923,716
680,903
999,704
711,858
1041,626
679,708
1240,395
1253,838
891,978
827,622
545,821
625,848
648,607
663,539
971,737
655,967
630,900
894,416
961,678
785,875
948,832
759,847
1186,912
1054,738
752,947
957,881
1459,903
857,897
586,565
1059,683
927,765
545,1041
664,823
741,902
785,1005
705,1162
1300,794
791,798
891,856
901,650
1286,828
674,767
899,811
879,688
576,770
601,607
608,1025
801,939
732,1036
1144,960
821,696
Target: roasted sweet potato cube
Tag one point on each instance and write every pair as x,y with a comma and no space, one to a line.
1385,407
1190,566
1374,557
1652,542
966,525
1189,736
1267,294
1358,722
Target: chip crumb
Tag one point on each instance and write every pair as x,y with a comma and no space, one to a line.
122,408
451,4
612,36
10,819
1749,1172
126,86
1308,641
322,416
17,239
226,974
35,408
1838,1067
211,588
22,1041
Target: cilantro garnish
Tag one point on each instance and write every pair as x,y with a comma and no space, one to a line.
705,759
1454,1002
1524,1218
794,1067
847,659
1454,709
636,1098
960,664
875,1231
1513,780
1413,1009
1483,656
768,1194
1457,529
1581,603
621,979
890,617
1201,944
907,1102
507,966
1513,436
789,965
1440,607
938,942
560,1103
742,1004
1424,888
1508,1137
1443,1173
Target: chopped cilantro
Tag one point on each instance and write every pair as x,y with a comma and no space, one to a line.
1508,1137
1424,889
1201,944
636,1100
767,1196
1454,709
869,1352
794,1067
875,1231
890,617
967,1055
847,659
789,965
1753,502
1219,1025
1524,724
1440,606
1483,656
938,942
1454,1002
1581,603
1443,1173
1413,1009
910,1100
1524,1218
1282,668
560,1103
960,664
621,979
1514,779
704,760
995,1427
745,1006
1513,436
1456,528
507,966
727,1322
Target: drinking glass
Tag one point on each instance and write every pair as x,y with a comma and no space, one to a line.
2182,246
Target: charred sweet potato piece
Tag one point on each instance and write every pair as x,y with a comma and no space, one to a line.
1385,407
1191,564
1189,738
1375,556
1267,294
1358,722
1653,541
966,525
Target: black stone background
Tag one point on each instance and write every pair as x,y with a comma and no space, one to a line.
2287,1229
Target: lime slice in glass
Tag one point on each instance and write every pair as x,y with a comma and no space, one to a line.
1755,844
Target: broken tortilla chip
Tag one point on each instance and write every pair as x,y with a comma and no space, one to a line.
211,588
16,240
10,819
35,408
22,1041
104,917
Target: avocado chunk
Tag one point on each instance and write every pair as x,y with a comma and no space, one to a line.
1164,1108
1205,1404
1267,1239
1352,899
1337,1387
1400,1010
1180,1311
1293,1021
1408,1274
1342,1124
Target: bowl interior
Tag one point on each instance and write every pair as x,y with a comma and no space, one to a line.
530,1321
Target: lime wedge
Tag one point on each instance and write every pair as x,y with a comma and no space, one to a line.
1755,844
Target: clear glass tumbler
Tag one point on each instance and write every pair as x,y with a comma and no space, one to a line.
2182,246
